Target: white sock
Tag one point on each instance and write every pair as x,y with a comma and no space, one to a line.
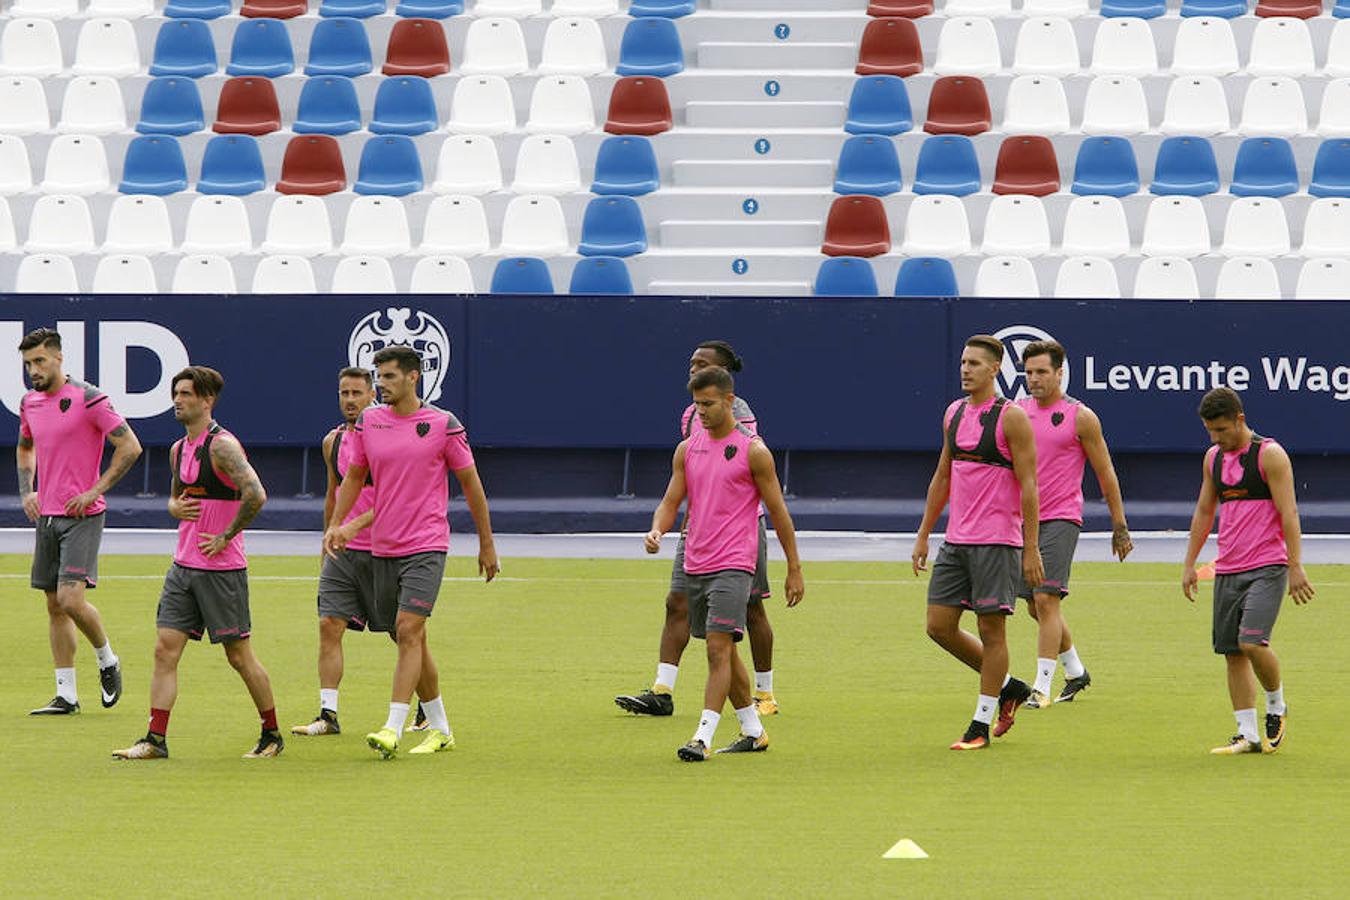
985,708
707,727
328,699
1275,701
65,685
105,656
1045,673
398,717
764,681
1246,722
1006,678
436,718
1073,666
749,719
665,676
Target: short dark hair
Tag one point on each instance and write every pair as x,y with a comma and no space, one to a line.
40,337
1220,403
713,376
206,381
987,342
406,358
355,372
730,361
1053,349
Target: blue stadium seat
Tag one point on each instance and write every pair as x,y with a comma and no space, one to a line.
626,164
650,47
845,276
665,9
600,275
521,275
404,105
429,9
1265,167
197,9
1106,165
184,48
1224,9
879,104
1331,169
1342,9
261,47
232,164
390,166
153,165
352,9
1140,9
926,276
328,105
339,47
947,165
612,226
171,105
1185,165
868,164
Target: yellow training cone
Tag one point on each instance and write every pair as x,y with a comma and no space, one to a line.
905,849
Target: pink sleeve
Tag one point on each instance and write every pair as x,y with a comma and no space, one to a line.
104,417
24,431
355,446
457,453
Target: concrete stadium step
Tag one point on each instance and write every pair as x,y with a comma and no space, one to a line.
714,233
775,5
779,56
738,288
694,173
764,114
780,25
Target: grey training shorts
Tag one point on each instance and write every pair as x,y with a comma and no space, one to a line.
347,589
405,584
1245,607
1059,540
718,601
759,587
197,601
66,549
980,577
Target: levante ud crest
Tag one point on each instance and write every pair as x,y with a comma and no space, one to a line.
402,327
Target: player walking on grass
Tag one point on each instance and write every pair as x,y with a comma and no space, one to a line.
1067,434
62,426
726,472
1250,479
987,469
659,700
215,495
408,448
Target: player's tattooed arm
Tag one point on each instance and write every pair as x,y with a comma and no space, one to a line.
26,461
228,457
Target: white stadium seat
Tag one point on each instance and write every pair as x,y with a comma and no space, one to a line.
455,225
218,224
1016,225
1175,226
60,223
1115,105
1247,278
46,273
482,104
107,47
546,164
1046,45
441,275
1036,104
1326,228
1166,278
494,46
23,105
468,164
1281,46
92,104
30,47
1273,106
298,225
125,274
8,239
76,164
1088,278
203,273
1096,226
1196,105
1006,276
363,275
284,275
376,226
936,225
1204,45
16,172
138,223
1323,279
534,226
1333,119
561,104
1255,226
967,46
1124,47
573,46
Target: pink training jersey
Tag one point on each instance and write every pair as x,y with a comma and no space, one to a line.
985,500
723,520
409,458
1250,532
1059,457
67,429
219,496
342,458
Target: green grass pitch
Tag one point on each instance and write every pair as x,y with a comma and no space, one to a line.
554,792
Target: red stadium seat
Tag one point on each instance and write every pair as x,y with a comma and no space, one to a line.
890,47
248,105
856,226
417,47
958,104
908,9
312,165
274,9
1298,9
1026,165
639,105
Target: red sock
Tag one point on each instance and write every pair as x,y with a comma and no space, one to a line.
269,719
159,721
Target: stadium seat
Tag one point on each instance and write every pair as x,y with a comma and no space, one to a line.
1166,278
1096,226
217,224
612,226
171,105
441,275
138,224
1264,168
989,9
16,172
298,225
261,47
573,46
890,47
1006,276
153,165
1195,105
232,164
1124,47
23,105
60,223
389,166
1255,226
650,46
184,48
46,273
273,9
92,104
1036,104
1281,47
1105,165
1247,278
312,164
494,46
547,164
856,226
8,240
1297,9
1323,279
1223,9
1115,104
926,276
521,275
626,164
1016,225
1175,226
351,9
1139,9
1273,106
967,46
845,276
1026,165
125,274
666,9
1185,165
1331,170
515,9
868,164
592,8
76,164
328,105
1046,45
105,47
1069,9
639,106
468,164
957,104
248,105
1333,118
455,224
879,104
1326,228
482,105
197,9
339,47
561,104
1341,9
284,275
600,275
947,165
429,9
936,225
1087,278
203,273
376,226
404,105
417,47
122,9
534,224
49,9
908,9
1204,46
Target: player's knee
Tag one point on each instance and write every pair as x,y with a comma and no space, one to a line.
69,596
941,631
992,629
756,618
1251,650
677,606
238,655
410,632
166,654
54,606
331,630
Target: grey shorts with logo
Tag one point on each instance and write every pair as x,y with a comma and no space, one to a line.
405,584
980,577
759,587
347,589
66,549
1245,607
205,601
1058,542
718,601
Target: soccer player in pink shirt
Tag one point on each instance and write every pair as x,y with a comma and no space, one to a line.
408,448
1068,435
62,426
1251,481
726,472
987,469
